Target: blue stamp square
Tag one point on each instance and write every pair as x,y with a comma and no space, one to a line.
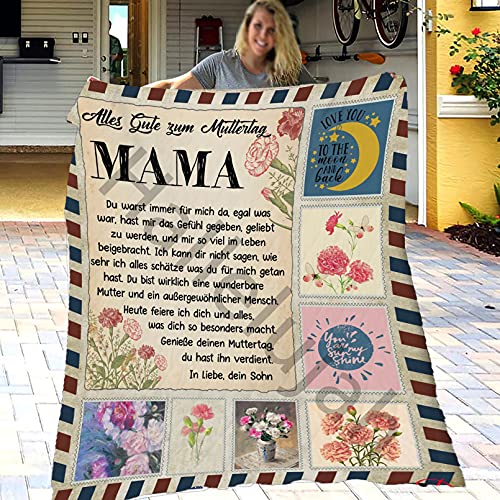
346,151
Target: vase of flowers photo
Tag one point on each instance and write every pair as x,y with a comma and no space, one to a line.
266,450
266,428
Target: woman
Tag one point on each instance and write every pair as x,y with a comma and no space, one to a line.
266,54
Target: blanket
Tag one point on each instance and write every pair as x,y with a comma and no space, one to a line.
241,306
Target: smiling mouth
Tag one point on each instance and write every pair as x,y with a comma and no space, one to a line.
261,44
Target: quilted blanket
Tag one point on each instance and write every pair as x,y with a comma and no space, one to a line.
241,306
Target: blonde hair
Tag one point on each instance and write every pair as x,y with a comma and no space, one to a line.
284,61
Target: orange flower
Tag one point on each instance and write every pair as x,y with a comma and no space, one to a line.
336,452
331,423
382,420
356,434
389,448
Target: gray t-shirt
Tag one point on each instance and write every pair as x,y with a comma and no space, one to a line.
224,71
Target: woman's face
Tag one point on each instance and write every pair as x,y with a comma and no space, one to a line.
261,32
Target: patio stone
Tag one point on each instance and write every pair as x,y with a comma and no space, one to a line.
463,338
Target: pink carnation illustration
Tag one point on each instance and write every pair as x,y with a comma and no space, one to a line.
185,431
132,328
266,193
333,261
110,317
360,272
146,352
389,448
382,420
260,154
195,429
161,362
339,262
356,434
332,222
113,354
202,411
331,423
336,451
291,123
262,157
363,445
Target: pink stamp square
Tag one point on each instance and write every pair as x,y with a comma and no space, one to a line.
348,348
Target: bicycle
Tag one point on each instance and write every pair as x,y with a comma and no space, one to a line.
389,16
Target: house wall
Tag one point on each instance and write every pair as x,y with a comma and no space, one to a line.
37,98
181,16
462,152
316,28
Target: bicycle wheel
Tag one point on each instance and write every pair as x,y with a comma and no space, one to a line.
391,20
345,21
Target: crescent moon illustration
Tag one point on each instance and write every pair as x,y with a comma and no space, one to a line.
369,149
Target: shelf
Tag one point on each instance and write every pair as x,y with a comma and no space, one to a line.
21,60
30,60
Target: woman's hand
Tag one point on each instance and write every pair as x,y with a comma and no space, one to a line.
186,81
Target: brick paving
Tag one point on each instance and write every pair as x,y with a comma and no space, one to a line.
459,295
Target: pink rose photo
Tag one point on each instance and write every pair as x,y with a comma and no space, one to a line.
120,438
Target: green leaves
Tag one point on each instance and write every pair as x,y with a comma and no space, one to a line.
208,431
280,193
118,361
278,202
482,80
154,461
100,370
191,439
188,423
479,216
147,384
279,165
288,197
